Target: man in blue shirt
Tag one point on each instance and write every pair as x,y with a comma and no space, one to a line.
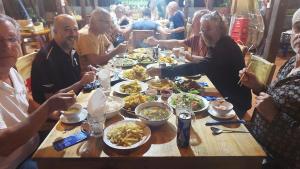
146,24
176,19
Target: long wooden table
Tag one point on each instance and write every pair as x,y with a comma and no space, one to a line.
224,151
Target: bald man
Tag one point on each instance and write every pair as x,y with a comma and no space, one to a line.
93,46
56,67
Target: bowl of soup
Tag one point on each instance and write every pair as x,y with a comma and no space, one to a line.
153,113
73,111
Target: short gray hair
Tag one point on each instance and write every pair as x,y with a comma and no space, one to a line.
5,18
99,12
215,17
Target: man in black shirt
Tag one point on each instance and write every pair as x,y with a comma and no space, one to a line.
221,66
56,67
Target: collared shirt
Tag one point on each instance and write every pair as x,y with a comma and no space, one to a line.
13,110
222,67
53,70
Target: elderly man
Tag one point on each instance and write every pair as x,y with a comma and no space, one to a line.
176,19
18,128
221,66
93,46
56,67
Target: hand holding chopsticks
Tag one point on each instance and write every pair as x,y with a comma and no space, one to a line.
243,74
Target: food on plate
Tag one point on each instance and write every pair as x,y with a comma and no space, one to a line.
145,59
136,73
189,86
186,99
167,59
113,104
126,134
142,50
160,84
132,87
72,110
134,100
124,62
155,113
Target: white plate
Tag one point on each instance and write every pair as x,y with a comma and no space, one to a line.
146,137
111,101
205,102
119,62
117,86
214,113
80,117
121,75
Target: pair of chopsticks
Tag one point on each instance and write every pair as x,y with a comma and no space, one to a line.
239,82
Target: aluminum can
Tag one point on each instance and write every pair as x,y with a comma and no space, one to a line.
183,129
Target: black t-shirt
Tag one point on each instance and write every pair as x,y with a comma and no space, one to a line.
222,67
53,70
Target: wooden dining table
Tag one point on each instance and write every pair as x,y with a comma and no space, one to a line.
208,151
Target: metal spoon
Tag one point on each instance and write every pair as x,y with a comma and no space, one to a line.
216,131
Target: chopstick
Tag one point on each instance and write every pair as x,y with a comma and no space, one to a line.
239,82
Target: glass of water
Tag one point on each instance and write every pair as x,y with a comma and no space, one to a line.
104,77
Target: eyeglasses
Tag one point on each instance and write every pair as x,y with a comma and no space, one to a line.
11,40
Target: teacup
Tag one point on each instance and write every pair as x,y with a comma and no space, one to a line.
73,111
221,106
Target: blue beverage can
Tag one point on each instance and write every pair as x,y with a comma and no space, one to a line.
183,129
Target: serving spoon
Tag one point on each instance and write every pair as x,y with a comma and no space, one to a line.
217,131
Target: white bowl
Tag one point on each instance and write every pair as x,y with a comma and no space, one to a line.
153,123
73,111
113,106
221,106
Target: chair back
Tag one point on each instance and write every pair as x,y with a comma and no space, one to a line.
263,69
139,35
23,65
244,49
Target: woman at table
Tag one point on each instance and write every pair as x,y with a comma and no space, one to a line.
18,127
195,42
224,59
276,119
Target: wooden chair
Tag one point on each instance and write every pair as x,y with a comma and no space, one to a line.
263,69
23,65
139,35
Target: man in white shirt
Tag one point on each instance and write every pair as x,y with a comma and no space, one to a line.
18,128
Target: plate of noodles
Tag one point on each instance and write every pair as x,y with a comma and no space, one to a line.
126,134
130,87
135,73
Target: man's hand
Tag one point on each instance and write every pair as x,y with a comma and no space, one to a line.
266,106
60,101
87,78
250,80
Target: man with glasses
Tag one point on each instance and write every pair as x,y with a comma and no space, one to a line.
19,124
56,67
224,59
93,46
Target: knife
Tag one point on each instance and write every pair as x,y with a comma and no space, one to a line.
225,122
